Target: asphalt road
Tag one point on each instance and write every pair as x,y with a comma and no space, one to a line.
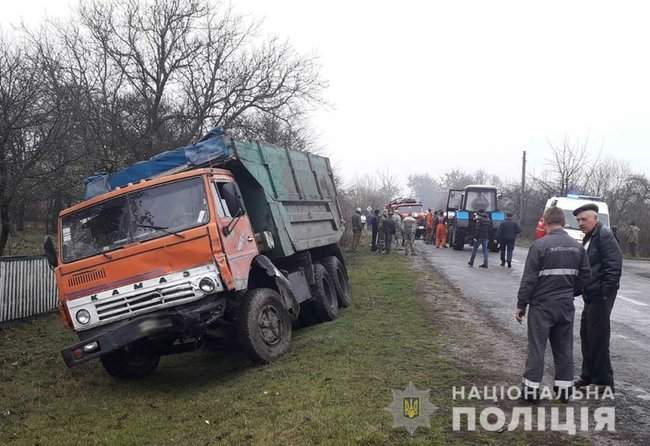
494,291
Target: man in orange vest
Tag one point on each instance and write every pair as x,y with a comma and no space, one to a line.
441,230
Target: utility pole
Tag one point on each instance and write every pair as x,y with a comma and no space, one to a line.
523,188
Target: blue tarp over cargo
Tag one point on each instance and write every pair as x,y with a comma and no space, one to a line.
210,149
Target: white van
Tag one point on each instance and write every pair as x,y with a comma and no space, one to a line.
568,204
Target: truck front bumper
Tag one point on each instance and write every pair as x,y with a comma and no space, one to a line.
188,320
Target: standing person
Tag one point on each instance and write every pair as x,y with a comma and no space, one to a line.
389,231
410,226
356,229
632,239
482,226
428,227
506,235
381,237
599,293
556,269
399,236
441,230
373,226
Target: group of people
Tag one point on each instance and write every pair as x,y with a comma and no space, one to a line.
557,269
388,230
435,224
505,237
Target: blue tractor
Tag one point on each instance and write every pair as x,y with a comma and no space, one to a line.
463,205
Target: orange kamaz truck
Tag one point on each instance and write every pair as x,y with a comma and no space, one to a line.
219,238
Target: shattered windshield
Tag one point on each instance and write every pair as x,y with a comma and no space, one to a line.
134,217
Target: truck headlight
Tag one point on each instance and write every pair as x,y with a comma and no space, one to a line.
83,317
207,285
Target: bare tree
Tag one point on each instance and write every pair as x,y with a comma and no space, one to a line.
30,125
567,166
124,79
190,66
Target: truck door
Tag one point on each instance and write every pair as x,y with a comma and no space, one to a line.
235,230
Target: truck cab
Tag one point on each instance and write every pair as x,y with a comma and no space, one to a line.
463,206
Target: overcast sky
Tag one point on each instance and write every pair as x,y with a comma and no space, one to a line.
426,86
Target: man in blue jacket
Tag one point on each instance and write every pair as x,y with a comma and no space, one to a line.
482,226
506,235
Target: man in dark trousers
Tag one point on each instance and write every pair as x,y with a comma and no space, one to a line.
373,225
506,235
356,229
481,235
599,293
389,231
556,269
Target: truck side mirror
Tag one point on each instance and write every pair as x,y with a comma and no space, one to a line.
233,202
50,251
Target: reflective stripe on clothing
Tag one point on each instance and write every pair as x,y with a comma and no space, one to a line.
531,384
558,272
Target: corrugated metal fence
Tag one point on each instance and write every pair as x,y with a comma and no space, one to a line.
27,287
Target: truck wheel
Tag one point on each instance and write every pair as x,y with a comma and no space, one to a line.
325,303
493,246
459,239
263,325
336,271
134,361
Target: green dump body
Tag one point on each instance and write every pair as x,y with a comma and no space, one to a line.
288,193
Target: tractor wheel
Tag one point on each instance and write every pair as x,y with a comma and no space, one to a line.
459,239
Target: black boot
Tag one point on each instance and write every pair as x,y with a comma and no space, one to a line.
509,264
563,394
529,394
581,383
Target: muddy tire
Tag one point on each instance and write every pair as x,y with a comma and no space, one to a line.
134,361
337,272
459,239
325,304
263,325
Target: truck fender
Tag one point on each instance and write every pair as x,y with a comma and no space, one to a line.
284,286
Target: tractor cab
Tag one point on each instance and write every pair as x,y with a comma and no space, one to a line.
463,206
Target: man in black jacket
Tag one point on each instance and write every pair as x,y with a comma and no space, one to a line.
389,231
508,231
373,224
556,269
598,294
482,226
